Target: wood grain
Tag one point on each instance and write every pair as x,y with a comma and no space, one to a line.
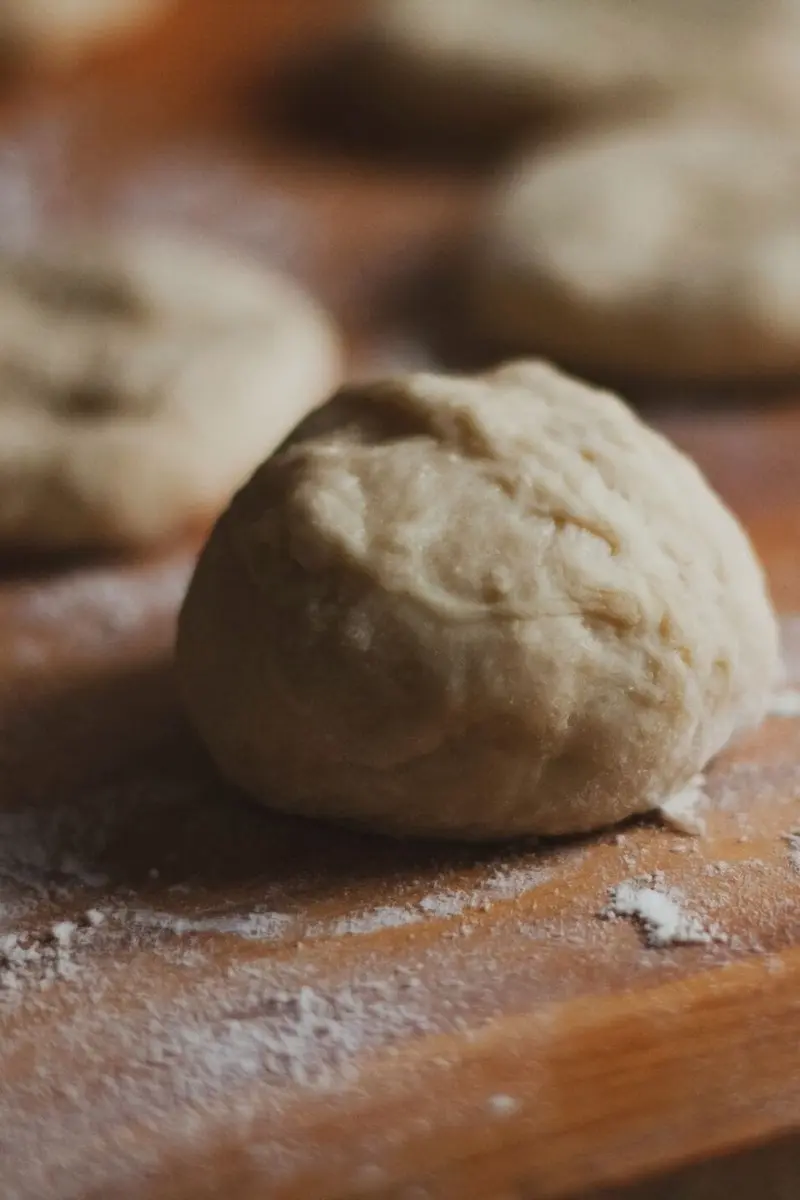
273,1008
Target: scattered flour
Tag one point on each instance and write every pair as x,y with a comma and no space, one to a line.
509,883
664,920
504,883
40,961
304,1036
154,1054
680,811
50,872
219,1046
385,916
718,868
253,926
447,904
38,863
793,840
63,932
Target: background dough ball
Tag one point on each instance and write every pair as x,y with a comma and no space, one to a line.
669,248
142,377
476,608
494,65
63,28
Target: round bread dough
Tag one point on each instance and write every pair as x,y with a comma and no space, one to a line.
142,377
62,28
474,607
670,248
491,66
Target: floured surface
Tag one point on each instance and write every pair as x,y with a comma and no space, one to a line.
661,914
192,963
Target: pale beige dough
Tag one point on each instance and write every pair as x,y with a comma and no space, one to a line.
63,28
474,607
142,376
666,248
493,65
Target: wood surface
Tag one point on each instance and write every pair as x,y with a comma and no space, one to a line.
272,1008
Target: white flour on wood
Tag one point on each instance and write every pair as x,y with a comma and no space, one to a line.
793,840
661,915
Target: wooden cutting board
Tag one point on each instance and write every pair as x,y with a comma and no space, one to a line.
199,999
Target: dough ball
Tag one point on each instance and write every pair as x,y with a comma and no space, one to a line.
670,248
142,377
63,28
491,66
476,608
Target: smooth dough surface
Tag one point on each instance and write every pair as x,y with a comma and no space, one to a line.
474,607
490,65
142,377
61,28
667,248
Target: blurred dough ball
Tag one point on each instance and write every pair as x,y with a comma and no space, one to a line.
667,248
142,377
488,67
474,607
62,29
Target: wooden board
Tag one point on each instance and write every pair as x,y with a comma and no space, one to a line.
244,1006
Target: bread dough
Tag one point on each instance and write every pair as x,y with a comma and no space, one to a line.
490,66
474,607
61,28
669,248
142,377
